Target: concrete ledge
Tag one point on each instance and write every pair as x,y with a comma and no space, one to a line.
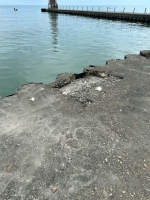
84,136
145,54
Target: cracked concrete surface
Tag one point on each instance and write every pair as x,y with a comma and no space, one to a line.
89,139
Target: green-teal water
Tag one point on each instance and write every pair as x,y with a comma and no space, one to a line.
35,46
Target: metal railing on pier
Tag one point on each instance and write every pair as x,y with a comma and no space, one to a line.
108,12
104,9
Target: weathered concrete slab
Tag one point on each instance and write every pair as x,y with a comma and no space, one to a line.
79,138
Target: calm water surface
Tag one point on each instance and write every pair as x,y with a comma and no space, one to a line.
35,46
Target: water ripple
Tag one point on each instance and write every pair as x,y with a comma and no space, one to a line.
36,46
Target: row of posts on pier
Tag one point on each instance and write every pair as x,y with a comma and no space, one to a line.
53,4
99,9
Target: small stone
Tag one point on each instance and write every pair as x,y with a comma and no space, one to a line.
32,99
145,165
66,92
148,166
54,190
98,89
103,75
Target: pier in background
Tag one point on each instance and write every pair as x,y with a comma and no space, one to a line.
54,8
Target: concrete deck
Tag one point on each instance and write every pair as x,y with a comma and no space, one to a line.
82,137
100,14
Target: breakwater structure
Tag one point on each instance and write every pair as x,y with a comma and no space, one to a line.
54,8
79,138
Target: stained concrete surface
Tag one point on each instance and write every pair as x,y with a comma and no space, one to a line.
79,138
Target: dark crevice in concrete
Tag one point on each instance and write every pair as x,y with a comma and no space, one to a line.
145,54
98,73
118,76
10,95
81,75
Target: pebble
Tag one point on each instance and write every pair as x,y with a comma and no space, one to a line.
66,92
54,190
32,99
98,89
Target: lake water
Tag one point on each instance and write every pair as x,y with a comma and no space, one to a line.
35,46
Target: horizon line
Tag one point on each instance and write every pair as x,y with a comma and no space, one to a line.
75,5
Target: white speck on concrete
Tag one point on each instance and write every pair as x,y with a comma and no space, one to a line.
32,99
98,89
66,92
